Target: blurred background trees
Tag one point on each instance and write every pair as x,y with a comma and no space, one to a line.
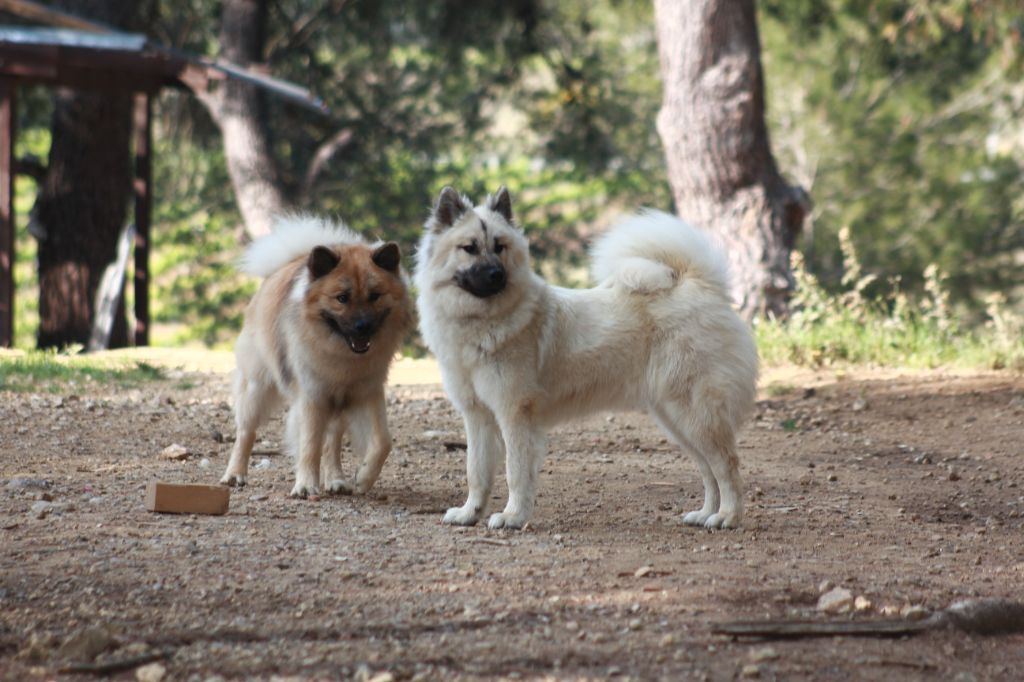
902,119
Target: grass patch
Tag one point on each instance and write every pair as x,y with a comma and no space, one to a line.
43,372
873,323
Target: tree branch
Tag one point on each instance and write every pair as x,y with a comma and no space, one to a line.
327,150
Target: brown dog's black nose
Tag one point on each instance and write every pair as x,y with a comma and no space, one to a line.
363,326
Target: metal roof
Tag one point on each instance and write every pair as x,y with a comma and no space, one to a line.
66,37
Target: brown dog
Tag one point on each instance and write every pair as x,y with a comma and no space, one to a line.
319,335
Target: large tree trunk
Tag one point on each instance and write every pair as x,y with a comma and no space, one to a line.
83,201
240,110
720,164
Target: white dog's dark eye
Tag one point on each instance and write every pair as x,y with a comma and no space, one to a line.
373,296
471,249
344,298
498,246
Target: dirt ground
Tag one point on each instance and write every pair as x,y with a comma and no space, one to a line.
905,489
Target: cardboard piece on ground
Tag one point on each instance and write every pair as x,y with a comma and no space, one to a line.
187,499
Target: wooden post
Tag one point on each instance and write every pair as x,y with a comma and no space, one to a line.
8,129
141,186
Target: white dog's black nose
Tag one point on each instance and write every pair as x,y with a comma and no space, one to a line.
496,276
483,280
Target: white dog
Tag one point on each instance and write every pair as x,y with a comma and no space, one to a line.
658,334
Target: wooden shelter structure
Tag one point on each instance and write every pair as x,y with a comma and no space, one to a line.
84,55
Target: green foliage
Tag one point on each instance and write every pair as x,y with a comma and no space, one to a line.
32,143
52,373
888,328
199,295
902,118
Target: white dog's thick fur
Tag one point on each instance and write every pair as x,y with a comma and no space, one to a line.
657,334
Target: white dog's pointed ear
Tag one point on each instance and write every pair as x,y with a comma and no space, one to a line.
501,203
449,208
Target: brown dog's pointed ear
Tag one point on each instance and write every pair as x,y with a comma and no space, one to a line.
449,207
387,256
501,203
321,261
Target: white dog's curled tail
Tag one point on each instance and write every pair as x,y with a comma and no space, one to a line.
293,236
654,251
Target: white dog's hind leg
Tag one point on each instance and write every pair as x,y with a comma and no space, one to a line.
525,447
711,492
310,421
371,438
484,449
718,444
330,466
254,399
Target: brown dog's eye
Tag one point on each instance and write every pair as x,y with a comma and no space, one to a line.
498,246
344,298
471,249
373,296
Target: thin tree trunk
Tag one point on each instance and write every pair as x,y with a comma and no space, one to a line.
720,165
240,110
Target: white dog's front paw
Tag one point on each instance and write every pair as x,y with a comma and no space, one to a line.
697,518
506,520
723,520
303,490
338,486
461,516
233,480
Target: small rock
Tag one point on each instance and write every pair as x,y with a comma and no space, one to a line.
175,452
151,672
38,648
836,600
264,463
635,624
87,643
572,626
382,677
859,405
667,640
204,463
41,509
861,603
642,571
824,586
914,612
764,654
750,670
27,483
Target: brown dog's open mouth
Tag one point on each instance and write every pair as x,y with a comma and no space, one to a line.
358,344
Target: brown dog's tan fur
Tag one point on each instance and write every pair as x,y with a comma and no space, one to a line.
320,334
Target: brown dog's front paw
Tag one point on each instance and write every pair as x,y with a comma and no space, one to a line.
233,480
338,486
